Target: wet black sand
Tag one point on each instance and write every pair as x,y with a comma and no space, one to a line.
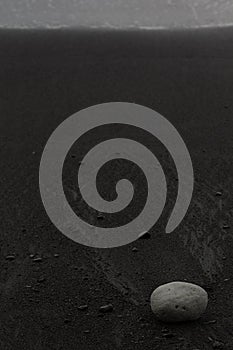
44,78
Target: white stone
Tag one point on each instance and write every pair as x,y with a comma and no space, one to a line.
178,301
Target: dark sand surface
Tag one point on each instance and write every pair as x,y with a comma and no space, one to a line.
44,78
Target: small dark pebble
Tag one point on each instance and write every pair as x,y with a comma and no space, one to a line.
41,279
100,216
210,322
106,308
225,226
83,307
218,193
10,257
217,345
168,335
67,320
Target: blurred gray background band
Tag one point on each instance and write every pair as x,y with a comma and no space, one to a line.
115,13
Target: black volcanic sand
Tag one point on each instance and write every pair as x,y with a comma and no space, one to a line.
46,76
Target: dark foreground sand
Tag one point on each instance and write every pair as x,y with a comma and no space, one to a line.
44,78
